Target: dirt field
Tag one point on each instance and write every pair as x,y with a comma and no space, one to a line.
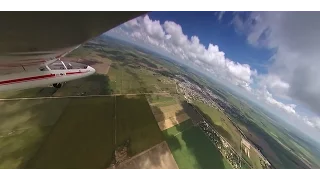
166,112
157,157
172,121
168,116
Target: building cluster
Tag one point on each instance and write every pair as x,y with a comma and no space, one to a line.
224,147
193,92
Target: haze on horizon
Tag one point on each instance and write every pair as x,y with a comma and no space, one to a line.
259,53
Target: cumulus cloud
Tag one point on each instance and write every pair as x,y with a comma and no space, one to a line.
263,94
291,75
169,36
296,38
275,85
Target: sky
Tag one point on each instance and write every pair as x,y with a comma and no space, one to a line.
271,56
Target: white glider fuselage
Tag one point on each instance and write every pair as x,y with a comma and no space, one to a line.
44,77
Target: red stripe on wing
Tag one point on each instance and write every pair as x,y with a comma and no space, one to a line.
26,79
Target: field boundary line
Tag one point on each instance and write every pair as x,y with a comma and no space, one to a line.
88,96
142,153
115,120
183,130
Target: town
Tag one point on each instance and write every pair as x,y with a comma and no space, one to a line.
193,92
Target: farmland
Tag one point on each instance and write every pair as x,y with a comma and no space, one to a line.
192,149
77,133
82,138
96,132
135,121
266,134
24,125
221,123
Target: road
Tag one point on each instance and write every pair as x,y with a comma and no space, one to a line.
60,97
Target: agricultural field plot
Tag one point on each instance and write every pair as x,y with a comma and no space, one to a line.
24,124
29,93
126,79
135,122
192,149
157,157
168,115
77,133
82,138
134,72
221,124
161,100
250,155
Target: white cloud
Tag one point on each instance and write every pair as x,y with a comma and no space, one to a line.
275,85
291,74
263,94
295,66
169,36
220,15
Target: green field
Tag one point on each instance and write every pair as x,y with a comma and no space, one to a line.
82,138
135,122
192,149
221,124
161,100
253,161
27,93
134,72
74,132
23,126
137,79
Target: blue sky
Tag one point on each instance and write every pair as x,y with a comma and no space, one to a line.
210,29
270,56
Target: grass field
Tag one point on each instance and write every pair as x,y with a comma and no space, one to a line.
134,72
253,160
156,98
23,126
33,92
135,122
74,132
82,138
221,124
192,149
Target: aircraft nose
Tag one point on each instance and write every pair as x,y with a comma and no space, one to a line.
91,70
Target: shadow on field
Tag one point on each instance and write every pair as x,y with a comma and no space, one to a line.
171,140
207,153
194,114
96,84
189,145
